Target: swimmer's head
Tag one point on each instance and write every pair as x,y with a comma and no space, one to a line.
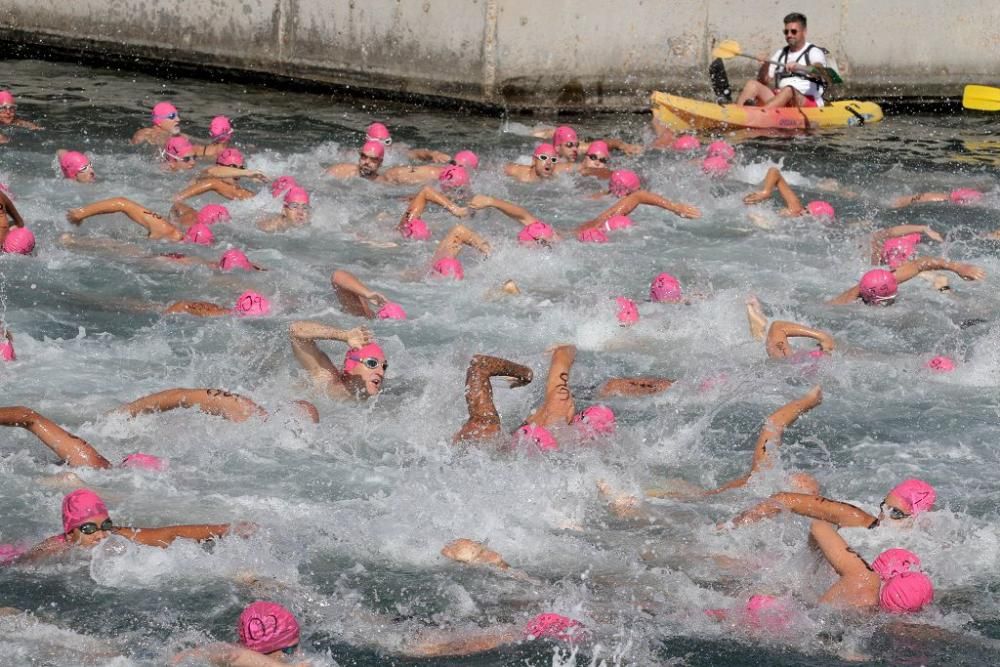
140,461
539,435
715,166
282,183
767,613
391,311
370,159
544,160
595,420
598,155
267,627
448,267
941,364
628,312
906,593
365,367
230,157
878,287
908,498
536,232
200,234
296,206
75,166
965,196
415,229
595,235
466,159
900,249
566,142
165,116
452,178
379,133
624,182
821,209
179,153
554,626
234,259
220,129
7,351
891,562
251,304
686,142
19,241
665,288
8,107
85,517
617,222
209,214
721,149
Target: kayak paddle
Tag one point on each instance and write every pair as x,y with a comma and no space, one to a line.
981,98
730,48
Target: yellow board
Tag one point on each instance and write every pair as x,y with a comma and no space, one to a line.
683,114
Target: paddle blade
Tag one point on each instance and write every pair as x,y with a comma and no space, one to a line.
727,48
720,82
981,98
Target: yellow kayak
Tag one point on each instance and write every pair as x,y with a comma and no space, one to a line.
684,114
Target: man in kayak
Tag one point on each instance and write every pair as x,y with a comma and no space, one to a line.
790,70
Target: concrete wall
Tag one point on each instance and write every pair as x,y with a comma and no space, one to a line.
526,53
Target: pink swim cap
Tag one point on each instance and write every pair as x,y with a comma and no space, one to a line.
820,209
877,285
596,419
235,259
79,507
353,357
965,196
720,148
7,99
453,177
11,552
296,195
161,110
391,311
594,235
416,229
553,626
19,241
916,495
599,148
230,157
373,149
72,163
897,250
536,231
378,132
665,288
906,592
766,612
891,562
540,435
209,214
617,222
628,313
266,627
281,184
179,147
624,182
7,351
199,233
252,304
686,142
545,149
449,267
466,159
941,364
220,129
715,166
563,134
142,461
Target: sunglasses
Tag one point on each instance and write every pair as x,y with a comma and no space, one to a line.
597,158
91,528
894,513
791,32
372,362
543,157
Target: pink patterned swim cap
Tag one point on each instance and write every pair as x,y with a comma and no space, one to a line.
628,312
200,234
617,222
209,214
416,229
79,507
916,495
266,627
391,311
596,419
624,182
906,592
540,435
449,267
252,304
536,231
554,626
878,285
593,235
891,562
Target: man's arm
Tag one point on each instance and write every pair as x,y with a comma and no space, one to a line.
838,553
816,507
780,331
619,145
459,236
8,206
881,236
217,185
908,270
304,334
509,209
150,221
197,309
165,535
921,198
411,175
217,402
220,171
558,407
774,179
419,203
637,386
627,204
230,655
354,295
428,155
75,451
484,420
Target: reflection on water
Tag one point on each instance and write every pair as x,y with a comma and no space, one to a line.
355,510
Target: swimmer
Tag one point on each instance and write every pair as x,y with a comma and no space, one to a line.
75,166
178,154
370,159
542,167
594,162
356,298
217,402
220,132
793,205
364,363
8,113
445,262
961,196
72,450
166,124
223,178
549,626
569,147
86,524
248,304
295,212
631,197
155,225
879,287
9,216
898,244
269,637
776,339
429,173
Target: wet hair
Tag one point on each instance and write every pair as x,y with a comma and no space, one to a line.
795,17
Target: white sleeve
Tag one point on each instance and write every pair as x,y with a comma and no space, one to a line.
771,67
817,56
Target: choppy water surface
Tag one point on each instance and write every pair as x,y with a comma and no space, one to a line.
353,511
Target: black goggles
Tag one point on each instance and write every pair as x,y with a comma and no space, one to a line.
91,527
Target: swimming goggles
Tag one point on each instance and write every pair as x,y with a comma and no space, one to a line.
372,362
895,513
543,157
8,107
387,141
597,158
570,144
91,527
167,116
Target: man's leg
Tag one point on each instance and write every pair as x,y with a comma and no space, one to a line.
755,90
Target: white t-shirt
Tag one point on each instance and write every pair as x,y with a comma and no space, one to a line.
804,86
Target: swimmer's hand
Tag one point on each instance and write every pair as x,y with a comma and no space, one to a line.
244,529
74,216
515,382
439,157
687,211
931,234
460,211
756,197
464,550
358,337
970,272
377,298
256,175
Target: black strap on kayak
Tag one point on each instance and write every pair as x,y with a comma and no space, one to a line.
854,112
720,82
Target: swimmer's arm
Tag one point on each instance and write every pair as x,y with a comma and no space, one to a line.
197,308
816,507
228,655
619,145
75,451
309,331
921,198
45,549
217,185
838,553
166,535
343,170
848,297
353,294
780,331
11,210
458,236
908,270
637,386
217,402
469,644
152,222
464,550
436,197
509,209
559,406
484,420
219,171
26,124
428,155
410,175
879,238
